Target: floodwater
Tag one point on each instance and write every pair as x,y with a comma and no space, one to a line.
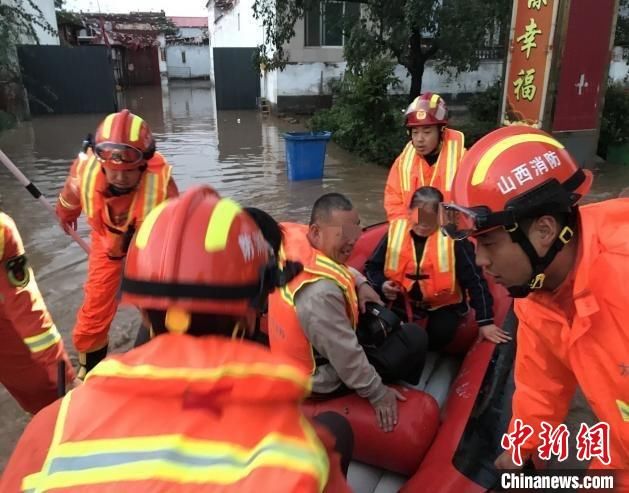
240,153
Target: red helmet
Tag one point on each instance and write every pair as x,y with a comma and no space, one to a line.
199,253
512,173
427,109
124,141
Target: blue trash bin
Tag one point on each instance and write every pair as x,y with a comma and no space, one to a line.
305,154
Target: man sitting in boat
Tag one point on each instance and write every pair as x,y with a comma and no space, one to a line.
427,275
199,407
314,318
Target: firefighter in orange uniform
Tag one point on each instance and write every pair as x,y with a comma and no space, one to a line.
116,185
197,408
430,158
30,345
567,265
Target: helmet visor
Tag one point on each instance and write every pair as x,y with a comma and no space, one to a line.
118,153
457,222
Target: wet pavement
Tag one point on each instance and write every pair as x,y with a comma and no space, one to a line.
240,153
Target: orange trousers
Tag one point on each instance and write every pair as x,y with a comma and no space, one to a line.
100,302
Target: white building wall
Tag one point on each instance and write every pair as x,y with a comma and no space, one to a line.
312,79
236,28
269,85
197,62
48,10
163,68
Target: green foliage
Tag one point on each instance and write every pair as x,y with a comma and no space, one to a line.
364,119
485,106
410,32
18,21
7,120
614,122
622,24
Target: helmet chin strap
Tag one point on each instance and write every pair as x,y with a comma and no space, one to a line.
539,264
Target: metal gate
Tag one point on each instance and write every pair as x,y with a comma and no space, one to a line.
67,79
237,83
143,67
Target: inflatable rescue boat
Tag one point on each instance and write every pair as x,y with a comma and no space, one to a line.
449,428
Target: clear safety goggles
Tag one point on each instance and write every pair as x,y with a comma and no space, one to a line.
118,153
460,222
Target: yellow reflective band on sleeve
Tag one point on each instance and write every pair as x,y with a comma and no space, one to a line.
67,205
219,225
43,341
485,162
89,186
623,407
114,368
395,241
434,100
134,134
142,236
106,131
177,459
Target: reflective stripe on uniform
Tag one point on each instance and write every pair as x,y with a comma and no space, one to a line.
150,193
395,240
407,167
442,253
111,367
43,340
175,458
67,205
89,185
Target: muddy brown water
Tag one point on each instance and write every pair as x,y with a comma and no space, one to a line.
240,153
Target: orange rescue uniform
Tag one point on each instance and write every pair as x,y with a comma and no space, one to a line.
411,171
286,336
579,336
180,413
30,345
113,220
440,288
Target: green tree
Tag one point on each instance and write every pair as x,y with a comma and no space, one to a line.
410,32
18,22
622,24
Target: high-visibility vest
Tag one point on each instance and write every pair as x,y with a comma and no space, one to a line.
286,335
409,172
150,192
185,413
440,288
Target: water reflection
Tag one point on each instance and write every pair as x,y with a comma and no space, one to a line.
240,153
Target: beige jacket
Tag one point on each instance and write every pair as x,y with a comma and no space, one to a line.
321,311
